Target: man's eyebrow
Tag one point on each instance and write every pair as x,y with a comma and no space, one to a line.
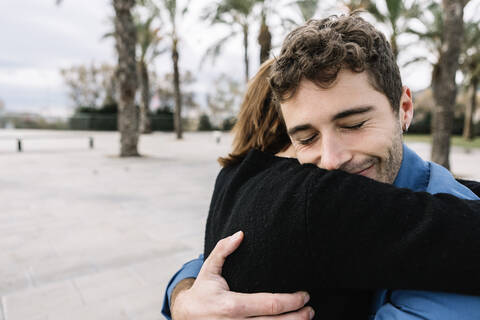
298,128
352,111
340,115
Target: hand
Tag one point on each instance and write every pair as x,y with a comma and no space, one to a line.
210,297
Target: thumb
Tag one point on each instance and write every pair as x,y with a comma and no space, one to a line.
214,263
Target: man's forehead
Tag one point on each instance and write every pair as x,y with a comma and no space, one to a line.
351,91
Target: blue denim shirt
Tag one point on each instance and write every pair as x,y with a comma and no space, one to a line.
419,175
191,269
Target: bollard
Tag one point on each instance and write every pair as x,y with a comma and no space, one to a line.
90,142
19,145
217,135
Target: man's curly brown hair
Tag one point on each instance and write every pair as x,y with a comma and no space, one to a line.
318,50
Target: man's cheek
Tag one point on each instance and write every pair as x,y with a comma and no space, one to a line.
305,156
378,145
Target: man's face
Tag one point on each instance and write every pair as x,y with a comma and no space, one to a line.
349,126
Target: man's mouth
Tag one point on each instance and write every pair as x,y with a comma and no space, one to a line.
366,171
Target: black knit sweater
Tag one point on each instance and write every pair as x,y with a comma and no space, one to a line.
339,236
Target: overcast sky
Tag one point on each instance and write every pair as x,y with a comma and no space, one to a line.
39,38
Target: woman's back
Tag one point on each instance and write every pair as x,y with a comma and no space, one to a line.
265,196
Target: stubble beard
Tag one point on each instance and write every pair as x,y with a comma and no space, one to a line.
388,168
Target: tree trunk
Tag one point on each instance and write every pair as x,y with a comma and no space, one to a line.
245,53
443,81
264,40
393,43
145,98
125,37
178,96
468,129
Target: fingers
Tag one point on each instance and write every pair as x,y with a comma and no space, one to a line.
222,250
305,313
266,304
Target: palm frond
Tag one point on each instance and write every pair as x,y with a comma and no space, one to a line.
430,35
413,11
395,9
288,23
156,52
307,8
372,8
107,35
215,49
214,14
472,34
415,60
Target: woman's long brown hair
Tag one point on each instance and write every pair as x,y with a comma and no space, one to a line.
259,123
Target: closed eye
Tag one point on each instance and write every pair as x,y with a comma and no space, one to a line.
308,140
355,126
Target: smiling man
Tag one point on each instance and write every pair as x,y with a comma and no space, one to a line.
335,234
363,138
351,118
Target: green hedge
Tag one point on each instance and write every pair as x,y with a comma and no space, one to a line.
105,119
103,122
422,124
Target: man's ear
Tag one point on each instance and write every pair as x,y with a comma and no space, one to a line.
405,113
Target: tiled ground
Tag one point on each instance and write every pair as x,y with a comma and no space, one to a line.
87,235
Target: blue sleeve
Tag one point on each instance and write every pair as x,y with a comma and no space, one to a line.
416,305
188,270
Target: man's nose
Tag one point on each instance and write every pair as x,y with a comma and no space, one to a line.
334,153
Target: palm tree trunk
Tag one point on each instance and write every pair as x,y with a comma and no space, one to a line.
176,87
264,40
145,97
125,36
443,81
468,129
245,53
393,43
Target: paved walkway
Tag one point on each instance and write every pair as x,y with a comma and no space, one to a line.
87,235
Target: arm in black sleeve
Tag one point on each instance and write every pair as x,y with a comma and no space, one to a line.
365,234
337,230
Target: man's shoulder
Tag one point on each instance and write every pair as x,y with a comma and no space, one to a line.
442,181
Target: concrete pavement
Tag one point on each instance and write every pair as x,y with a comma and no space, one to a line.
87,235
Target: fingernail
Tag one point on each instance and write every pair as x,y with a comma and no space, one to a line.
306,298
312,313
